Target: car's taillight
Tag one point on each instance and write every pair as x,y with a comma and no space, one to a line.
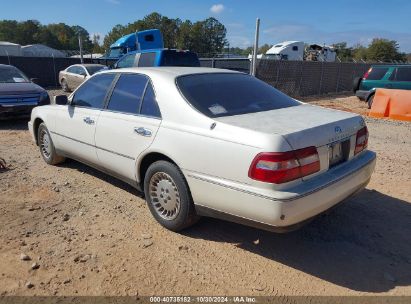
361,142
282,167
367,73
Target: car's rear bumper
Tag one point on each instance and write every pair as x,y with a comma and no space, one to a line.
362,94
291,208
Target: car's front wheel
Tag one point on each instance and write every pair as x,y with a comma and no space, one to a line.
65,86
168,196
47,150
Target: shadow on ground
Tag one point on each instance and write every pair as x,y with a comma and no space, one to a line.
14,124
364,244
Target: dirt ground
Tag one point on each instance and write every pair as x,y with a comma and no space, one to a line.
85,233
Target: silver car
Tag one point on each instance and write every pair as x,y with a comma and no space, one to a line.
76,74
201,141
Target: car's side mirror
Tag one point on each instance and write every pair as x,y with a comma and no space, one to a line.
61,100
34,80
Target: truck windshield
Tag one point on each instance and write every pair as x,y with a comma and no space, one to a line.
227,94
176,58
116,52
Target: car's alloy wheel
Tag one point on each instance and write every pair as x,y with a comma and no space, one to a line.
44,142
47,150
64,86
168,196
164,196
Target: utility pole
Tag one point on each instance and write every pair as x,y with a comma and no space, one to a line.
254,61
80,44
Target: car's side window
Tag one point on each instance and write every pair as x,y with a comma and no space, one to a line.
147,59
93,92
403,74
150,106
128,93
72,69
127,61
81,71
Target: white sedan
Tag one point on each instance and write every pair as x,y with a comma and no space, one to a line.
209,142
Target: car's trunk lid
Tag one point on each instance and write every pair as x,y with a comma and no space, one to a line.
302,126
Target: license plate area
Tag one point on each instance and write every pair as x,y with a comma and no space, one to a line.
338,152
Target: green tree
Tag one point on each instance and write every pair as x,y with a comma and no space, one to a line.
384,50
343,52
359,52
264,48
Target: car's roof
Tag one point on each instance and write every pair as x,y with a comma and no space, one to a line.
87,64
170,71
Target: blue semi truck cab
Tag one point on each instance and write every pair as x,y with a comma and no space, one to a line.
146,49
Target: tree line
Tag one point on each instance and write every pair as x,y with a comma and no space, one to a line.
205,37
57,35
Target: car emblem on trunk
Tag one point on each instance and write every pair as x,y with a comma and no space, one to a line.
337,129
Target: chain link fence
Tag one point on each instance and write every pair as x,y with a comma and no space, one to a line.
295,78
298,78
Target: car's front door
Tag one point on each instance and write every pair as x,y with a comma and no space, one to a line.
128,125
76,123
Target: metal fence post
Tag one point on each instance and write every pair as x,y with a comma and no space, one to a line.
321,78
301,77
338,77
213,63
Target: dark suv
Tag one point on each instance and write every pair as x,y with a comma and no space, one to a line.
382,76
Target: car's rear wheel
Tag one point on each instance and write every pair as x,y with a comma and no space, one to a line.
168,196
370,100
65,86
47,150
356,84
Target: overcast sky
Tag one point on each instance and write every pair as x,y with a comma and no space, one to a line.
318,21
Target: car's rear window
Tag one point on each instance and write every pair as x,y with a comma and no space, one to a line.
175,58
227,94
377,73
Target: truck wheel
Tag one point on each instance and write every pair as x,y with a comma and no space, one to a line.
47,150
168,196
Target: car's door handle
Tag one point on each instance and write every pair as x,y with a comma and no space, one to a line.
88,120
388,85
143,131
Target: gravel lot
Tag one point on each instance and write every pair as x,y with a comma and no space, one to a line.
71,230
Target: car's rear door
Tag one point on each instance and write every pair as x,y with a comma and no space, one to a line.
76,123
128,125
401,78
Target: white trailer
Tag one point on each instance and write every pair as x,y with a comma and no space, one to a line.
287,50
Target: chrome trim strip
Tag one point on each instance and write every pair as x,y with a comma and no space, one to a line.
84,143
291,198
19,104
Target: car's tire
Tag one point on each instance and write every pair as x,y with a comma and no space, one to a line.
370,100
168,196
47,150
356,84
64,85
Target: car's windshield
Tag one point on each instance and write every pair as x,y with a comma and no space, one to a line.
176,58
227,94
12,75
95,68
